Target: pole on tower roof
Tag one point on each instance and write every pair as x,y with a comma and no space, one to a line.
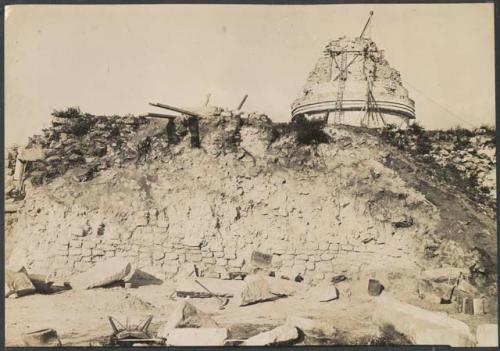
366,25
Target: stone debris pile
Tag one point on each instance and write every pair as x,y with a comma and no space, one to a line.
235,207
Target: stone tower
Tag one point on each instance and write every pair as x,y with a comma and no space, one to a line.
353,84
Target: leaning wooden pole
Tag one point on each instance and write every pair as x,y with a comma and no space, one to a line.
176,109
242,102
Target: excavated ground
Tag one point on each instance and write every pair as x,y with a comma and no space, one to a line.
322,202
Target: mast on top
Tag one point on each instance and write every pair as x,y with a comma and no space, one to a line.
366,25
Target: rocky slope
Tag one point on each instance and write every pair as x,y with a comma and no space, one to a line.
322,202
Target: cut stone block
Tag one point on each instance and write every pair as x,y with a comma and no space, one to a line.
374,287
283,287
18,283
43,337
138,277
283,335
197,337
103,273
186,315
421,326
311,326
256,289
41,283
261,260
323,293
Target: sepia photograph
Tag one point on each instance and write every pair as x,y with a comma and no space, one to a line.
250,175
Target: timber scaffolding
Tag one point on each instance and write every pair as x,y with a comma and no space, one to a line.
353,84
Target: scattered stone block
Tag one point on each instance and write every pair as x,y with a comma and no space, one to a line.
374,287
197,337
261,260
323,293
18,283
233,342
487,335
138,277
187,287
43,337
41,283
311,326
283,287
421,326
186,315
103,273
283,335
256,289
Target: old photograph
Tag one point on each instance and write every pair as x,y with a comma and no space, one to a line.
250,175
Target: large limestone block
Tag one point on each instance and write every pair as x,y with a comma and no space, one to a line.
311,326
284,287
43,337
285,334
421,326
323,293
103,273
186,315
256,289
18,283
487,335
197,337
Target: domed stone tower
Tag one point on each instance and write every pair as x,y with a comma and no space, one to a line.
353,84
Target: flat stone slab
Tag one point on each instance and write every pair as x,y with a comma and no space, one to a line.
256,289
103,273
186,315
42,337
311,326
18,283
283,335
283,287
421,326
323,293
197,337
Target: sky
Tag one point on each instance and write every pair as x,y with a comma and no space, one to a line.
110,59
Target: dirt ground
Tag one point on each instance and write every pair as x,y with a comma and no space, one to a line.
80,317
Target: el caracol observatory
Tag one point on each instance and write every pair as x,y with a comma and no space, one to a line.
353,84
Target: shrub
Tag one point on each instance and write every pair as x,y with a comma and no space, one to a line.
70,112
310,132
